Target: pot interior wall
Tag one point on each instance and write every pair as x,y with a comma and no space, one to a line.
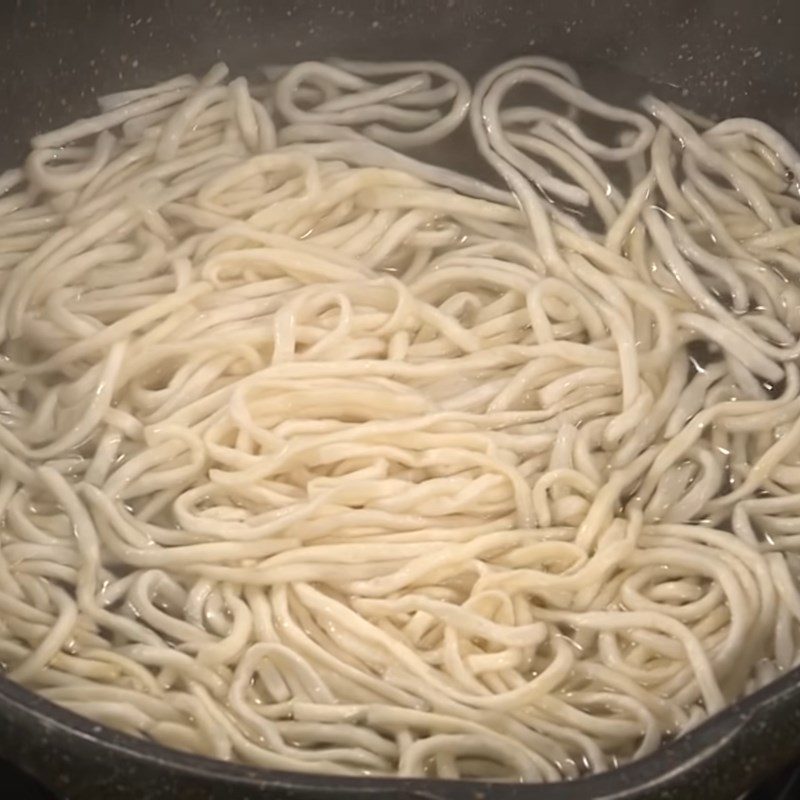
721,56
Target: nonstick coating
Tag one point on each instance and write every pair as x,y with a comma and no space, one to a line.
726,57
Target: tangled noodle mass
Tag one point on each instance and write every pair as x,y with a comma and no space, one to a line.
318,457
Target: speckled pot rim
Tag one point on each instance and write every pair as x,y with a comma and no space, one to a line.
725,755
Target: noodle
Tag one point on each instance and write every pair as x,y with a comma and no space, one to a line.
319,457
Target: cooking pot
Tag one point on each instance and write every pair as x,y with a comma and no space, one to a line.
723,57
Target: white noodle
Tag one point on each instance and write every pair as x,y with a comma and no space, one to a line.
319,457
